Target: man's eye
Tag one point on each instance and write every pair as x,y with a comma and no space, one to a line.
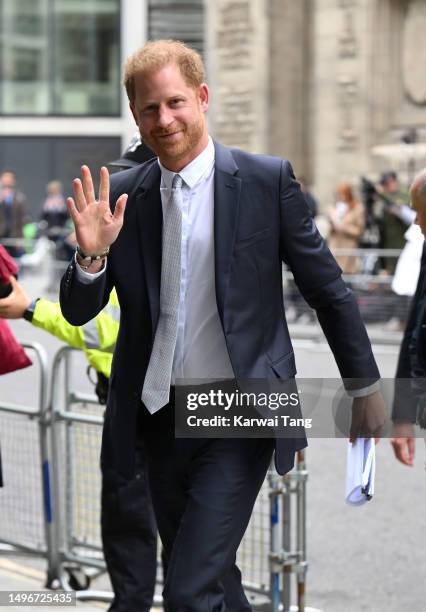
176,101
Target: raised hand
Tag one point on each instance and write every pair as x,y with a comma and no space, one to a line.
96,228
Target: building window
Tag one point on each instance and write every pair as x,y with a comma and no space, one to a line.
60,57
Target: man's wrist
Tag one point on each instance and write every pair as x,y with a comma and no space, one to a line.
91,263
93,256
92,267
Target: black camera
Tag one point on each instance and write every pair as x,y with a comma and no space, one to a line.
5,290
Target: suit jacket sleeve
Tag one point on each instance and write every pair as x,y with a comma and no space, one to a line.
318,278
405,400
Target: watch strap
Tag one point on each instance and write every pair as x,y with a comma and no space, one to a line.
91,258
29,312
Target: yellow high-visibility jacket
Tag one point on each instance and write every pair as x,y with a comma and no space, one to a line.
96,338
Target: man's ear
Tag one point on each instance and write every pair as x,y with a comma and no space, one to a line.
204,96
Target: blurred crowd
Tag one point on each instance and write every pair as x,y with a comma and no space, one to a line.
361,220
378,218
19,226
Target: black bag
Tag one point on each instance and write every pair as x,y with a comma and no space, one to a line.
101,384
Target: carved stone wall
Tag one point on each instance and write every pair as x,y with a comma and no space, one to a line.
414,52
369,86
320,82
398,82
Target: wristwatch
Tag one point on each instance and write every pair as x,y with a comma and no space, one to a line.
29,312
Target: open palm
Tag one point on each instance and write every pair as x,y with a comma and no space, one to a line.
96,227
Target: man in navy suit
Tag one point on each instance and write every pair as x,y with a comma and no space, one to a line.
196,260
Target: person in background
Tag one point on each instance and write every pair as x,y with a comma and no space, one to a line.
12,211
136,153
128,527
409,406
393,223
347,223
310,199
54,211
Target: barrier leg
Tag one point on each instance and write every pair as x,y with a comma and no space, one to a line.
275,575
301,532
286,546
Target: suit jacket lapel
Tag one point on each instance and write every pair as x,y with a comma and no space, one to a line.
227,189
150,221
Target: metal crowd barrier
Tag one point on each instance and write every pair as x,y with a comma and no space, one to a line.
267,557
27,519
75,440
51,508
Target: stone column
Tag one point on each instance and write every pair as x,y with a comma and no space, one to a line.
290,99
237,52
342,102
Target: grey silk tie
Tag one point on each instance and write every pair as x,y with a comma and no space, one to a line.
156,388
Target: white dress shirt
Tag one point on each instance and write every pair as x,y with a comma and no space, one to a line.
200,351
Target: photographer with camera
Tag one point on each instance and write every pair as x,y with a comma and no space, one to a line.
388,214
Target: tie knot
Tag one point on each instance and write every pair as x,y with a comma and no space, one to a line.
177,181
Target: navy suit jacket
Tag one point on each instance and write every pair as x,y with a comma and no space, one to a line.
260,220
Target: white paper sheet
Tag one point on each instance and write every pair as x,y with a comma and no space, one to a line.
360,471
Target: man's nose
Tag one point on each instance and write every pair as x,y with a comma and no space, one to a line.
165,117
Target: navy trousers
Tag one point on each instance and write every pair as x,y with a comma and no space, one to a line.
203,492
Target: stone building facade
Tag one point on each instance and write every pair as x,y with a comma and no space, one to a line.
321,82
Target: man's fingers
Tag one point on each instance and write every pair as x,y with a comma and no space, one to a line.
89,190
356,426
72,209
104,185
411,447
401,449
80,198
120,207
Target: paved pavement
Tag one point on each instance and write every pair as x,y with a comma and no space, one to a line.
367,559
14,576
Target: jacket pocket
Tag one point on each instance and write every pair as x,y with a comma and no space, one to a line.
253,238
284,367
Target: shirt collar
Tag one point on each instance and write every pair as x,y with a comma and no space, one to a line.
194,171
